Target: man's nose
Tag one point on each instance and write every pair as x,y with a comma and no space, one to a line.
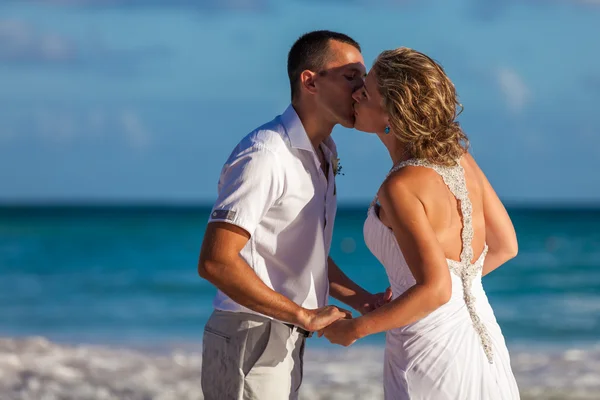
359,84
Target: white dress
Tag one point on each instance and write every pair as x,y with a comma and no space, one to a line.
457,352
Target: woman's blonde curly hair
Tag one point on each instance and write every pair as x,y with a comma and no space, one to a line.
422,103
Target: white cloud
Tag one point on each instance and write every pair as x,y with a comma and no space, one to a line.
97,120
16,31
22,43
63,126
588,2
535,141
209,5
136,133
517,94
57,126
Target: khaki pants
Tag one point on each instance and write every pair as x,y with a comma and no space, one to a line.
249,357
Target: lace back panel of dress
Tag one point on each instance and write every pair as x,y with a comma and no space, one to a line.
454,178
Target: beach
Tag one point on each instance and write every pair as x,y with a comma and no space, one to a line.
37,369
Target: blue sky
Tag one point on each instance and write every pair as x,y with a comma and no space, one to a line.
134,100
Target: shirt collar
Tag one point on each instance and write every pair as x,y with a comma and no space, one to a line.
330,145
295,130
297,134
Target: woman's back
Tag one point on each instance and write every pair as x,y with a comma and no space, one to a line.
444,214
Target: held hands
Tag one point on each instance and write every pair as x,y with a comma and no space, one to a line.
336,323
317,319
344,331
374,301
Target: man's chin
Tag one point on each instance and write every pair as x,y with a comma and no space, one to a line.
348,122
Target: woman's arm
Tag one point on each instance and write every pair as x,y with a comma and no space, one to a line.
499,230
425,258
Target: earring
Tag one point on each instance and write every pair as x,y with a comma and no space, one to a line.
387,130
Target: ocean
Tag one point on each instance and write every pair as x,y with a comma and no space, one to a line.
120,284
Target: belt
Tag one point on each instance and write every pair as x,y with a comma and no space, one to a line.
303,332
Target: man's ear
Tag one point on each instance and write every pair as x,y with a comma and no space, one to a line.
307,81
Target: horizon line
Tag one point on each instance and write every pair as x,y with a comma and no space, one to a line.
108,203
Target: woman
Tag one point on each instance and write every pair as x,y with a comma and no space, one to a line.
437,226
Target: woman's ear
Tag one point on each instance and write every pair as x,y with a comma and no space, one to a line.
387,124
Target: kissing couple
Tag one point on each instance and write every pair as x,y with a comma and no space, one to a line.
436,225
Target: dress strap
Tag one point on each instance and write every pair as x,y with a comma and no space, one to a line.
395,168
454,178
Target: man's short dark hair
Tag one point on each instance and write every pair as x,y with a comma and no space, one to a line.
309,52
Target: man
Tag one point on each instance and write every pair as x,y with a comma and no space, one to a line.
266,246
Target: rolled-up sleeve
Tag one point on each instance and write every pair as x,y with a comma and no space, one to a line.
250,183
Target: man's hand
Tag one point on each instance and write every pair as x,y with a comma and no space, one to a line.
317,319
342,332
375,301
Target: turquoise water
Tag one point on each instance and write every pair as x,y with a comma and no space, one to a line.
128,274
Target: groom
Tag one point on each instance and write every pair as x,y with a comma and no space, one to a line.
266,246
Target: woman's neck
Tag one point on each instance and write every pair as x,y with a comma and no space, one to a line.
398,151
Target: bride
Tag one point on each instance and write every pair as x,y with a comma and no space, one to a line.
437,226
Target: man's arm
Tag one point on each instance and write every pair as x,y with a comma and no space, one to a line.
221,264
348,292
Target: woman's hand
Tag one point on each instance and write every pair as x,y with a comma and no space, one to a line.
342,332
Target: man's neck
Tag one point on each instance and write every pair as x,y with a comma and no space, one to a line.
316,129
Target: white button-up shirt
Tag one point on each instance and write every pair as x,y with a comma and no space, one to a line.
273,187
